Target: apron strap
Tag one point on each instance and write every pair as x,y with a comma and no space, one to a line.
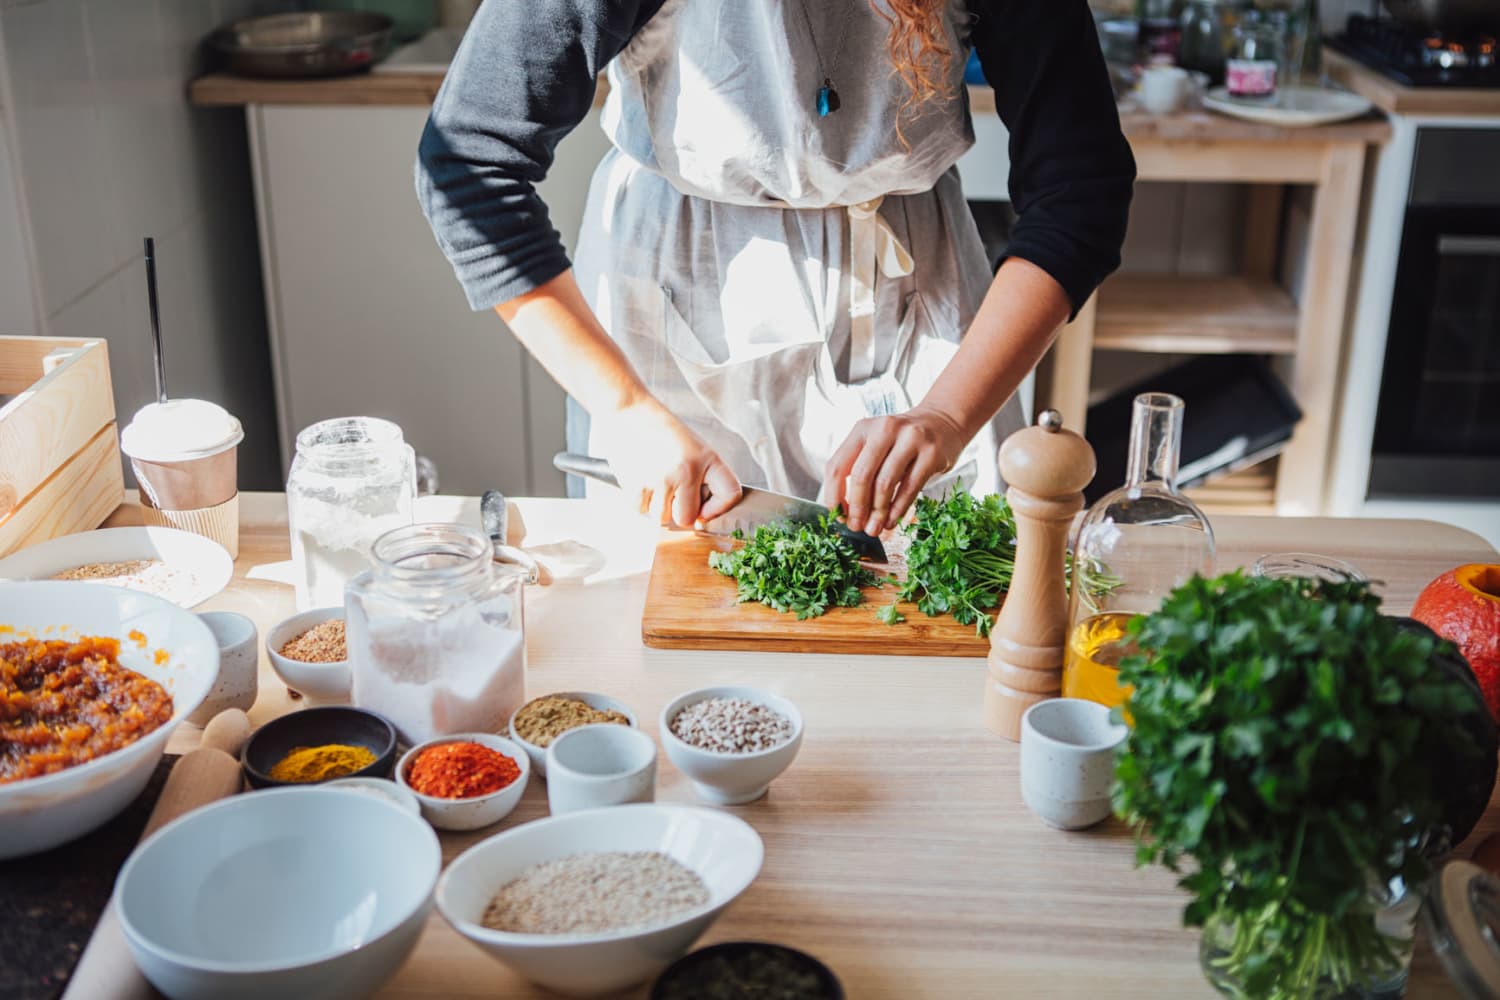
872,244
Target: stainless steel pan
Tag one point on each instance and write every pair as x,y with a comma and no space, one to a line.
320,43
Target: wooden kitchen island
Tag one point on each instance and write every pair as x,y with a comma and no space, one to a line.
898,849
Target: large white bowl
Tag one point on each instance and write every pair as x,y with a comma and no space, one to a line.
206,559
730,778
292,892
38,813
724,851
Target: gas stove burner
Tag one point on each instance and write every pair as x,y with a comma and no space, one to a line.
1419,58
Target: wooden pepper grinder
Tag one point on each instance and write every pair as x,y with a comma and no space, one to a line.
1046,468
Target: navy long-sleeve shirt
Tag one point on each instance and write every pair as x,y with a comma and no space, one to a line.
525,77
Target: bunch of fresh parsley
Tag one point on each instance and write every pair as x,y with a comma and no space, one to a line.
805,568
1283,745
960,560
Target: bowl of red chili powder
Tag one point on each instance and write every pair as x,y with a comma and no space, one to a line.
465,781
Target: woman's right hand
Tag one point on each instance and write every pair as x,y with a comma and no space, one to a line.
678,478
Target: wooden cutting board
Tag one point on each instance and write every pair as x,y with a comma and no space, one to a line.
690,606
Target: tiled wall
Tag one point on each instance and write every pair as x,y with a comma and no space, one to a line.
103,151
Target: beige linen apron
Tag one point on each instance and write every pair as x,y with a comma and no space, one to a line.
773,275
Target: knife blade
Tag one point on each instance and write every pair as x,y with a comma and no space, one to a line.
756,507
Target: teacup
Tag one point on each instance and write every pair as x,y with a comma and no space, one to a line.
602,764
1163,88
239,665
1068,760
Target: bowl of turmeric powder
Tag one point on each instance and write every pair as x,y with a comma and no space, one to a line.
320,744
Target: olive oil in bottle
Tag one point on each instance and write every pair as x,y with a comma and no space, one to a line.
1091,668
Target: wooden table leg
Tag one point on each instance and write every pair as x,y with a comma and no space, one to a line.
1300,485
1071,362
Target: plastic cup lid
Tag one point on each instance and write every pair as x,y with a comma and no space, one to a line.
180,430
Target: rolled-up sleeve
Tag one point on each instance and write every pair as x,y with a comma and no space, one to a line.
1071,170
523,78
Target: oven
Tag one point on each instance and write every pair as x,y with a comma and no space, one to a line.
1437,424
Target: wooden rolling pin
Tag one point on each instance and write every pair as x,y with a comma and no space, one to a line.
106,970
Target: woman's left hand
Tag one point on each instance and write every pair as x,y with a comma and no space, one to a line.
883,464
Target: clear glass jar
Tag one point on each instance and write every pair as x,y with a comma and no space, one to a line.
353,479
1208,36
436,633
1259,39
1132,548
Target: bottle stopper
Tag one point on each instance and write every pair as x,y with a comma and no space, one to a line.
1046,469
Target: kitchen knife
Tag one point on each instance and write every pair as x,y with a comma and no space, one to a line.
756,506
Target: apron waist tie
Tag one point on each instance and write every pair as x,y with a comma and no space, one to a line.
872,244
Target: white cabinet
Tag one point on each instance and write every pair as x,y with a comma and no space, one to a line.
366,316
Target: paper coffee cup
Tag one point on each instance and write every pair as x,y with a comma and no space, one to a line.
184,455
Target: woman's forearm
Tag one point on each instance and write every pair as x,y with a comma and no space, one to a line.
1020,315
557,326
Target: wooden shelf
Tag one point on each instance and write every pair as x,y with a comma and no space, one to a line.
1195,314
1249,491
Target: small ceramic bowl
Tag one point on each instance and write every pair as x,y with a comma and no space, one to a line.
602,702
482,810
380,788
318,683
796,972
313,727
730,778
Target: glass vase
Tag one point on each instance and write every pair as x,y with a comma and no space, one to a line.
1228,948
1133,547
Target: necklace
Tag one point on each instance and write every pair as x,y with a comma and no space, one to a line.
828,98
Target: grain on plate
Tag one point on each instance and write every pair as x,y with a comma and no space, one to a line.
595,893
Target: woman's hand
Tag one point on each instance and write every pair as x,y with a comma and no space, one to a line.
656,458
883,464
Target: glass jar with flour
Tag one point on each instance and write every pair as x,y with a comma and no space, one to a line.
353,480
436,633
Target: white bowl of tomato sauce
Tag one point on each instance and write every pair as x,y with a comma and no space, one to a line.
59,780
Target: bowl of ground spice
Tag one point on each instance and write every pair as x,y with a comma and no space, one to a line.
309,654
731,741
320,744
541,720
465,781
588,903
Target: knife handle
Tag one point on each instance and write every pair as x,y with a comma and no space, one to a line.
598,469
585,465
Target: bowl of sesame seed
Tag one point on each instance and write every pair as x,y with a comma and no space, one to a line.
731,741
309,654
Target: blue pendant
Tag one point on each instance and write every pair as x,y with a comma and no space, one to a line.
828,99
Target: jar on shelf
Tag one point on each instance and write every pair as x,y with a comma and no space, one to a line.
352,480
1132,547
1250,74
436,632
1208,36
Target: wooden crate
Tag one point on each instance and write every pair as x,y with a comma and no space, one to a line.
60,468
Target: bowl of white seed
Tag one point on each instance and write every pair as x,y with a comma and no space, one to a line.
731,741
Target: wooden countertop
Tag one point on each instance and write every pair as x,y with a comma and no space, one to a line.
419,90
897,846
1396,98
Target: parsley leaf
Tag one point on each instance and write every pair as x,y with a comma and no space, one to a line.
802,568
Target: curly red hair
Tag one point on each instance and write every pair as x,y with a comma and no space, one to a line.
918,47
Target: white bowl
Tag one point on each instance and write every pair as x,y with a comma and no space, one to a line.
482,810
724,851
207,560
293,892
602,702
317,683
38,813
730,778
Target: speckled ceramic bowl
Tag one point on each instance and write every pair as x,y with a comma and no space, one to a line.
602,702
481,810
731,778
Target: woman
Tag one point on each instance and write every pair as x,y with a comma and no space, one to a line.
777,263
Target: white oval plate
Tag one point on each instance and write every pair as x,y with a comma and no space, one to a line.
207,560
1293,107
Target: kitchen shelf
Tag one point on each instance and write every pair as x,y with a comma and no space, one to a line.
1195,314
1249,491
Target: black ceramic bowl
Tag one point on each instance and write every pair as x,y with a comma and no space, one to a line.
313,727
740,970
